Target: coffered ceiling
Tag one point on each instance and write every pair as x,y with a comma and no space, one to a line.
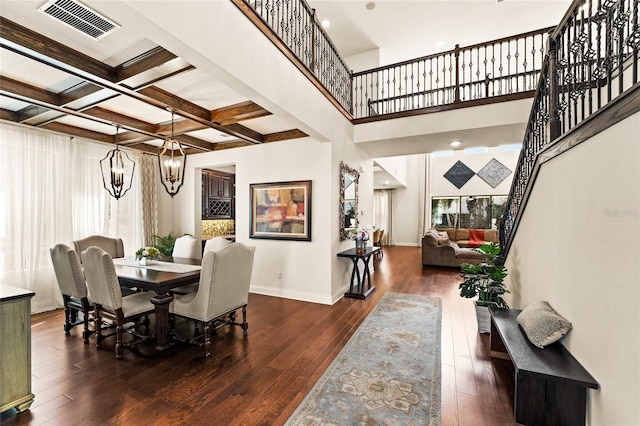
59,79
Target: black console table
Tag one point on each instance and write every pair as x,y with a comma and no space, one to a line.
360,281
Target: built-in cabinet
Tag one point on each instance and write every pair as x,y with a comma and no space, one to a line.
218,195
15,348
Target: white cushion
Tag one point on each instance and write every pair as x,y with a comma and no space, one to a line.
137,303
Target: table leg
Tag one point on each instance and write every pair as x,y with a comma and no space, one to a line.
362,279
161,302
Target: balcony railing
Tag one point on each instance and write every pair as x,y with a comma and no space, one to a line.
592,60
503,67
500,67
297,26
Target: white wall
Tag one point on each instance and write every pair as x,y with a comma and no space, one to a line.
578,247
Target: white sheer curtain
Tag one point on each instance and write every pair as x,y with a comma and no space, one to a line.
383,213
424,204
52,192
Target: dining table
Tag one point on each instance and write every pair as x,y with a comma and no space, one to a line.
159,277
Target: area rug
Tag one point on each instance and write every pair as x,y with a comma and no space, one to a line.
387,374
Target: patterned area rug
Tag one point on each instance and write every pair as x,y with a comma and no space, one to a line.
387,374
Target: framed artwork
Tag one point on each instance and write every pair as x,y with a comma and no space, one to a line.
281,211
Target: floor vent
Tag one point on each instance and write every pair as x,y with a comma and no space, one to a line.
79,17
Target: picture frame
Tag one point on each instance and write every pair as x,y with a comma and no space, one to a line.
281,210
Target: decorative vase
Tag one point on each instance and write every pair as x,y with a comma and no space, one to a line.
484,319
360,245
144,261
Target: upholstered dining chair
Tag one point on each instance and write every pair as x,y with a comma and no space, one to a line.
215,244
185,246
224,287
70,277
113,246
377,241
104,292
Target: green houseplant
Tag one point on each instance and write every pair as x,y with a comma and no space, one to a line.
486,282
165,244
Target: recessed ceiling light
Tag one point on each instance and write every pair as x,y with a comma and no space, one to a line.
455,144
370,6
325,23
439,43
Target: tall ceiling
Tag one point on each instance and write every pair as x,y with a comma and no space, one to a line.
53,77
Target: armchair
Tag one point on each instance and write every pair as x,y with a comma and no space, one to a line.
70,277
224,287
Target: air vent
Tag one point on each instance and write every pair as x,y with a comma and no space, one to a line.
79,17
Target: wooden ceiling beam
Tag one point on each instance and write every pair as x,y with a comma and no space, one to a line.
238,112
148,60
201,115
175,102
16,37
121,119
28,91
7,115
285,135
193,142
79,132
229,145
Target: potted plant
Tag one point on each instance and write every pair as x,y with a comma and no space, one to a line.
486,282
165,244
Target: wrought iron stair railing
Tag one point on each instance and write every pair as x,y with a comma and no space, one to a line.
592,61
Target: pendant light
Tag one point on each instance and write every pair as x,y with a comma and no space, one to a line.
117,171
172,160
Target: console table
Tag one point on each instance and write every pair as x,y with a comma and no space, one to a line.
360,280
15,348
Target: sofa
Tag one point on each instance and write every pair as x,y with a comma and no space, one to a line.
439,250
464,237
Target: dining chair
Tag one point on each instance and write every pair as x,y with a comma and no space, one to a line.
70,277
113,246
185,246
104,292
215,244
377,241
224,287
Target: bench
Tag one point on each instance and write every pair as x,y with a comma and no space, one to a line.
550,384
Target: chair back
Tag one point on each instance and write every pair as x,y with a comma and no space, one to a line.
376,237
68,269
102,280
185,246
215,244
113,246
224,281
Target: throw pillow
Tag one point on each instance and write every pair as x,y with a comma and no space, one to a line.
542,324
443,238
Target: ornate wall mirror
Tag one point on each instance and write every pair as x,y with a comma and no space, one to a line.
348,200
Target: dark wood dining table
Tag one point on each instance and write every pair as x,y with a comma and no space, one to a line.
160,282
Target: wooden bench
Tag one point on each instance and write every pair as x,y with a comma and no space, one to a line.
551,385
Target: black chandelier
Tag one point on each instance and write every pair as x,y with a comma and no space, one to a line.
117,171
172,160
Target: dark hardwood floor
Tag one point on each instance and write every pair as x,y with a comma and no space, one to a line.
260,379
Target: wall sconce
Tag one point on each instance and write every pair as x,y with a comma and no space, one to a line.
172,160
117,169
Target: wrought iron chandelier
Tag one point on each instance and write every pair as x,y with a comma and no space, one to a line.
172,160
117,171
